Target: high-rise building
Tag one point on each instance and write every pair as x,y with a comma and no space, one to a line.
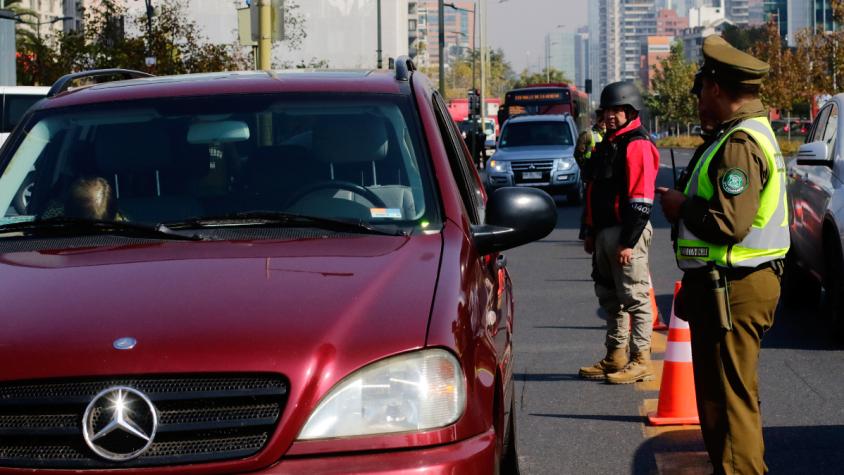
623,25
459,27
594,46
777,11
581,56
655,49
668,23
808,14
737,11
560,52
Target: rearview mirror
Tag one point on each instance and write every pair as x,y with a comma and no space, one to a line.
515,216
226,131
814,153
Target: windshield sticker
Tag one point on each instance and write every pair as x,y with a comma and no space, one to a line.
16,219
386,213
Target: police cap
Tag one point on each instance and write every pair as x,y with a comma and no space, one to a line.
728,65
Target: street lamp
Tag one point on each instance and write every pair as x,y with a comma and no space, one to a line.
475,23
54,20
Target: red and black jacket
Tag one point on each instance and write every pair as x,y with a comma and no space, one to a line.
622,174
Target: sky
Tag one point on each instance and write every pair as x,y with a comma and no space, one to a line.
519,26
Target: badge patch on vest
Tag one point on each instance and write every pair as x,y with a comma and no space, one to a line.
694,251
734,181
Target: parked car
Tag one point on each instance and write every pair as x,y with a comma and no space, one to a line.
14,102
537,151
247,272
488,132
816,195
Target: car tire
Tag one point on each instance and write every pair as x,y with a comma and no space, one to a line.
576,197
24,194
509,455
799,288
832,303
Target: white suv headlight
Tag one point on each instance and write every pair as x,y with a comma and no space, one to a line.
499,166
564,164
411,392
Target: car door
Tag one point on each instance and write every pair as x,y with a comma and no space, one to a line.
494,285
817,187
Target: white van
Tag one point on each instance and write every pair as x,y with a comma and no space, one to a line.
14,102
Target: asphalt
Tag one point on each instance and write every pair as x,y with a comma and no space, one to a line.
569,426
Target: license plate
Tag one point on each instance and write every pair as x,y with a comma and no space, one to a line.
532,175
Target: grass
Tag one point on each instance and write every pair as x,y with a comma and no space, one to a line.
788,147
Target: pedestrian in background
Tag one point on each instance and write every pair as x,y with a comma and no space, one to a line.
622,174
732,236
586,143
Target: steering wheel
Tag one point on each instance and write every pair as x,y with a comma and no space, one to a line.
338,185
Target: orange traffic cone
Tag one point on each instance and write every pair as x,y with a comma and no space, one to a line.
677,404
658,323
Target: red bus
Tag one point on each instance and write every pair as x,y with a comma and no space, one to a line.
554,98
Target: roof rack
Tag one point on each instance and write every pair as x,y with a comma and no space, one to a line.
63,82
404,65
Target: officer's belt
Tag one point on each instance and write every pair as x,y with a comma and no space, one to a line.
738,273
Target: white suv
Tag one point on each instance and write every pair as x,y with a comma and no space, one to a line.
14,101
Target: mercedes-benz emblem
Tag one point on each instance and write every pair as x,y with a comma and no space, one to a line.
119,424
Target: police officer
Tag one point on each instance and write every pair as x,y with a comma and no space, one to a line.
588,139
586,143
622,172
732,236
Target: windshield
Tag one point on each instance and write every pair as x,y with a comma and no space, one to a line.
170,161
523,134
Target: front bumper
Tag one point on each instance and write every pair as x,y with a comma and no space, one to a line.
475,455
554,181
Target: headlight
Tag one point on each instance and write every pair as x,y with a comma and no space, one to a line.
499,166
411,392
564,164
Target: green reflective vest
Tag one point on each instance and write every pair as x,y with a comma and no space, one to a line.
595,137
768,238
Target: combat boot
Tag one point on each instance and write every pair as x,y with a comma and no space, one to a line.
638,369
615,360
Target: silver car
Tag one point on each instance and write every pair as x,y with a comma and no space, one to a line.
537,151
816,219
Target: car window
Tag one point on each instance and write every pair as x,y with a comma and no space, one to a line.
14,107
350,157
831,129
523,134
470,190
819,128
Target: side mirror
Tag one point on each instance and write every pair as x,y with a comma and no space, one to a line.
814,153
515,216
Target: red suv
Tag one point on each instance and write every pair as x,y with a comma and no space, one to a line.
255,272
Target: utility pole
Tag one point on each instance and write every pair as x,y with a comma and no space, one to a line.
441,45
265,41
484,58
380,61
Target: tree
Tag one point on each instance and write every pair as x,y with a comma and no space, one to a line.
172,39
786,74
670,99
545,76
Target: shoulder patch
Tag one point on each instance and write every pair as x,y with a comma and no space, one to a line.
734,181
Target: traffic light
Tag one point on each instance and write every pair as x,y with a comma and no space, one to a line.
474,103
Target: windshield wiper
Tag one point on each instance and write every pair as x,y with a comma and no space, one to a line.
280,219
71,226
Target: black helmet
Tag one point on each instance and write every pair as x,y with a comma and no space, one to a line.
622,93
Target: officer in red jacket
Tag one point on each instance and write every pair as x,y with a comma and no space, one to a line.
620,194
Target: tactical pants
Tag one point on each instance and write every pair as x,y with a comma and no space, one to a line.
623,291
725,367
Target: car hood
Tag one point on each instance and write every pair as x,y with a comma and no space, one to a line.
215,306
533,152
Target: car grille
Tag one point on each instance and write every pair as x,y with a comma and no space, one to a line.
532,171
200,419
